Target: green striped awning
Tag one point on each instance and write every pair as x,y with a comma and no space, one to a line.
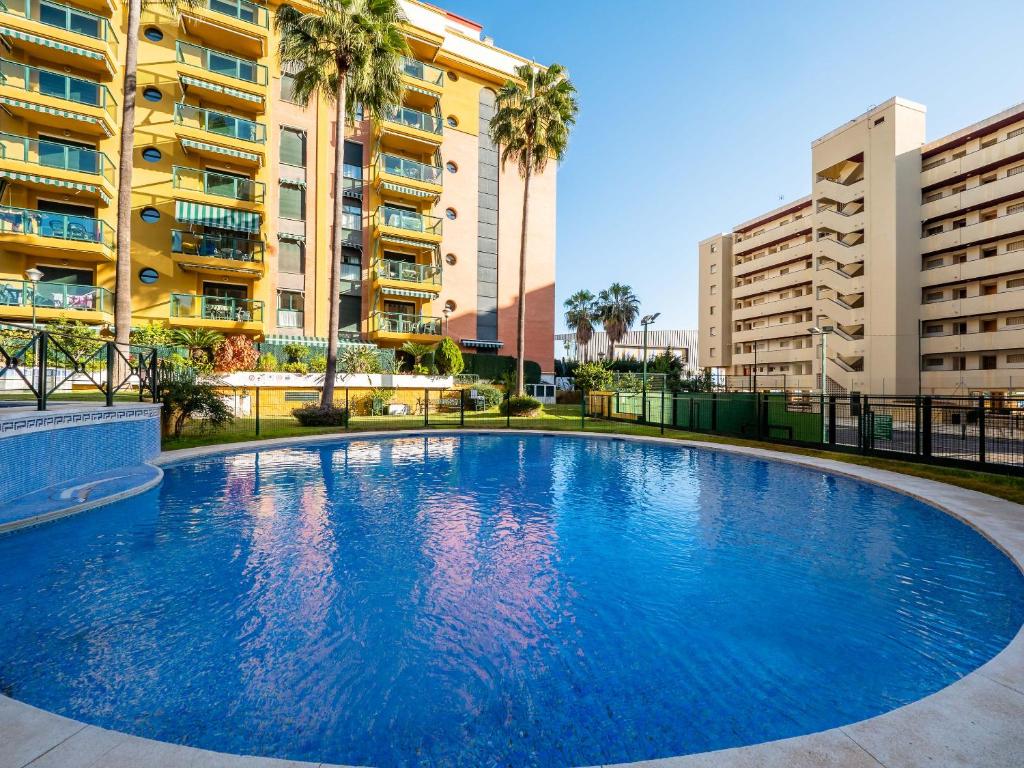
203,146
51,181
291,236
293,183
407,293
213,216
424,91
53,111
403,190
36,40
208,86
396,240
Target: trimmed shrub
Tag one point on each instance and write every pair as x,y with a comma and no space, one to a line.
491,394
296,353
593,377
236,353
315,415
448,358
295,367
267,363
493,367
318,364
520,405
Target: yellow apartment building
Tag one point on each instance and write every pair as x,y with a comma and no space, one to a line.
233,182
908,254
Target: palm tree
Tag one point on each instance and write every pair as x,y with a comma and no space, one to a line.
201,343
417,351
126,168
580,313
349,52
618,308
531,125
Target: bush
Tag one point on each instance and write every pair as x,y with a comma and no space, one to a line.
315,415
491,394
448,358
295,367
183,400
492,367
295,353
520,405
593,377
237,353
266,363
152,335
318,364
359,360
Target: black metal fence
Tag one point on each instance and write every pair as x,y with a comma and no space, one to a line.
980,432
40,367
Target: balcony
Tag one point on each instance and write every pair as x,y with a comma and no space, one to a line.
973,162
217,254
991,304
838,191
408,179
400,272
974,269
991,341
224,70
45,165
238,25
88,303
411,130
422,73
60,34
237,138
56,235
774,233
392,326
793,253
984,231
776,307
774,283
403,223
202,182
217,312
977,196
42,96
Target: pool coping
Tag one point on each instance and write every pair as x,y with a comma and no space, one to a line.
972,723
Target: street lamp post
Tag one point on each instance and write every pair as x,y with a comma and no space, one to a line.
646,321
34,275
823,332
447,313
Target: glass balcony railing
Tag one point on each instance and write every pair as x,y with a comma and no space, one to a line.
219,184
230,309
220,123
62,17
47,82
70,296
393,165
221,63
59,226
387,216
427,274
243,10
421,71
216,246
53,154
394,322
413,118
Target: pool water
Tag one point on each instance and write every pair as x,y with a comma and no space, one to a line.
496,600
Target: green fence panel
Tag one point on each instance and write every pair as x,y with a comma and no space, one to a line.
737,414
797,419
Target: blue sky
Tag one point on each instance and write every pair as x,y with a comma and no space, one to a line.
695,116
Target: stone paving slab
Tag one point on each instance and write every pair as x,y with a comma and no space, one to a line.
978,722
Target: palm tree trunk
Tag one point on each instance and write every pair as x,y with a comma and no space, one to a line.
334,315
521,317
126,165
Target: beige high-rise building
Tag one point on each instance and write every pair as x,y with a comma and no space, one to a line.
910,253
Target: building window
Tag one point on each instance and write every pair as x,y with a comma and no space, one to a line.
352,215
290,309
1017,282
152,94
933,264
959,363
988,362
933,330
934,362
933,296
153,34
1015,208
935,230
453,121
292,202
714,268
1015,358
1015,170
291,257
151,155
149,215
148,276
451,167
1015,320
712,351
713,290
1016,245
711,310
288,87
713,331
293,147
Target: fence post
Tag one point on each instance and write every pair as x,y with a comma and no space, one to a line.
257,411
981,428
675,410
832,420
426,407
462,407
661,415
508,409
583,410
714,411
917,425
110,375
348,411
154,375
757,416
926,427
867,420
41,354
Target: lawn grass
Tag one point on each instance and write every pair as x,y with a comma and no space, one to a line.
567,417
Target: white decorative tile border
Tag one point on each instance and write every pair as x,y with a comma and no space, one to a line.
41,421
973,723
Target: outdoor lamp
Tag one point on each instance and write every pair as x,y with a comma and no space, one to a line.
34,275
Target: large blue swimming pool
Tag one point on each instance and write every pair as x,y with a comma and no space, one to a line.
495,600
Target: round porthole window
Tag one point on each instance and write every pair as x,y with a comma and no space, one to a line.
151,155
452,122
152,94
450,259
451,214
148,276
453,76
149,215
452,167
153,34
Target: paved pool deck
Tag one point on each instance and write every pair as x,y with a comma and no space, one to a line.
977,722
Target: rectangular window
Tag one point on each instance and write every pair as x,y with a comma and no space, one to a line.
711,311
288,88
290,309
959,223
988,362
713,290
933,230
933,296
1015,170
714,268
934,362
933,264
959,329
293,147
712,351
714,331
1016,245
292,202
1015,208
291,257
959,363
1015,320
933,330
1017,282
1015,358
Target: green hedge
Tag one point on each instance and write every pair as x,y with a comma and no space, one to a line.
494,366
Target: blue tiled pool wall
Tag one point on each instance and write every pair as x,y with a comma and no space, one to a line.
36,459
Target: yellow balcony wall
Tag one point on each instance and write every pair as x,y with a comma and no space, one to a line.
236,25
61,35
